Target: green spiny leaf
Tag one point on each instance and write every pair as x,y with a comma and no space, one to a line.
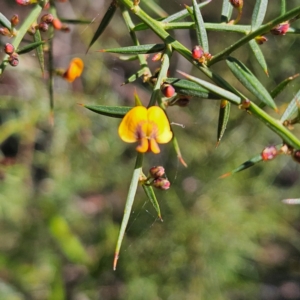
110,111
226,11
214,88
259,12
128,206
39,50
224,113
77,22
292,108
189,88
5,22
250,82
105,21
140,49
280,87
135,76
151,196
30,47
259,55
200,28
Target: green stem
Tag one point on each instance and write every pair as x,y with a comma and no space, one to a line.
260,31
162,75
275,125
130,26
129,202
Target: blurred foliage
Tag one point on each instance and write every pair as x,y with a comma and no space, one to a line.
63,189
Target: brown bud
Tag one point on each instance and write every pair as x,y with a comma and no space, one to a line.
197,52
156,172
168,90
47,18
269,153
43,26
261,39
13,60
4,31
281,29
14,20
65,28
162,183
9,48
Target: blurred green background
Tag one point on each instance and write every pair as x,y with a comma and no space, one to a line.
63,189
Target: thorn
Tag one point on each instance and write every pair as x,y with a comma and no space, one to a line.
225,175
80,104
101,50
182,161
115,261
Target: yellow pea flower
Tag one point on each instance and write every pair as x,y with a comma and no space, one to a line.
74,70
149,127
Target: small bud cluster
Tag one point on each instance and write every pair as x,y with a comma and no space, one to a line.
159,179
201,56
280,29
10,32
269,153
13,58
261,39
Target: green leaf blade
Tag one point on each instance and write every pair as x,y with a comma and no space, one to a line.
226,11
259,56
110,111
200,27
214,89
189,88
259,13
292,108
250,82
151,196
103,24
224,114
140,49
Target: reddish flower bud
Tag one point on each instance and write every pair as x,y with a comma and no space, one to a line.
23,2
14,20
237,3
281,29
9,48
13,60
162,183
5,32
47,18
261,39
157,56
57,24
197,52
269,153
43,26
156,172
168,90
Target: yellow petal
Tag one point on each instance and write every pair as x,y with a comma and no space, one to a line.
143,145
132,123
74,70
158,116
154,146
